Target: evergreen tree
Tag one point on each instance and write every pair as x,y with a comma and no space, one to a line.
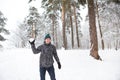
93,30
109,14
32,20
65,7
32,27
2,26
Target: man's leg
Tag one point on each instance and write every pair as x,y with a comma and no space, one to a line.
42,73
51,72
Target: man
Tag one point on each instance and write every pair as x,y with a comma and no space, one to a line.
48,51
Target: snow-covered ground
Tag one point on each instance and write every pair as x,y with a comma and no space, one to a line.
22,64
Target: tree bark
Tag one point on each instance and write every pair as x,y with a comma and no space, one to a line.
56,37
76,24
93,31
33,31
63,24
101,35
71,22
53,25
72,36
116,45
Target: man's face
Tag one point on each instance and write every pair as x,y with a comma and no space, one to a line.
48,40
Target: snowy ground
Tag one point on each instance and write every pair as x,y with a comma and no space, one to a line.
22,64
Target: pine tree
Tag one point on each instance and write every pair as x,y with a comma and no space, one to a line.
2,26
63,6
100,27
93,31
32,20
110,20
32,26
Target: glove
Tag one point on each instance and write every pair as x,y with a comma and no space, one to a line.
59,65
32,42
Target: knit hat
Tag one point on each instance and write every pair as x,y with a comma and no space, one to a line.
47,36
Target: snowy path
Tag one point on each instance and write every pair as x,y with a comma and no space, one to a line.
22,64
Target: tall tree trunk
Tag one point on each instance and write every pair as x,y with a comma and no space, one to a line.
92,29
101,35
116,44
72,36
63,24
53,25
33,31
76,24
71,22
56,37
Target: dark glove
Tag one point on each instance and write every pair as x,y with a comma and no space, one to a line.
59,65
32,43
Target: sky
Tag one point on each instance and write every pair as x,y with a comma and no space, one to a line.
16,11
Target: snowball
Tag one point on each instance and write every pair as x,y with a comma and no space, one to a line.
31,39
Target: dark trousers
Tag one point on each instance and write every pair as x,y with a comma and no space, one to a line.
50,71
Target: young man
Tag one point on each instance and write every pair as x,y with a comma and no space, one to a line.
48,51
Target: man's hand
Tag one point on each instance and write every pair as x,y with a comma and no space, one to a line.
59,65
31,41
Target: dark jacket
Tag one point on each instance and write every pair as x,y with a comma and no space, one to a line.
47,54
